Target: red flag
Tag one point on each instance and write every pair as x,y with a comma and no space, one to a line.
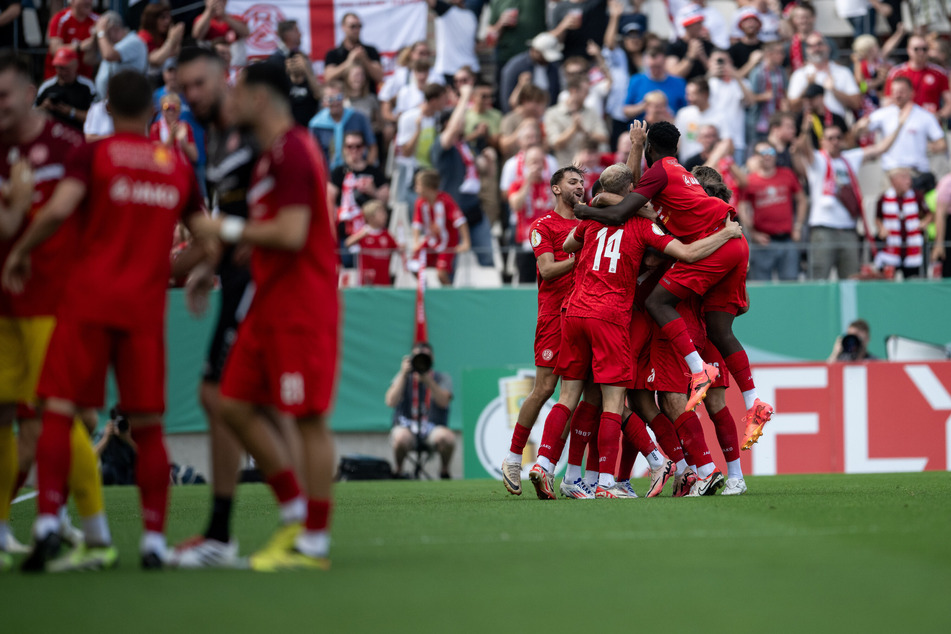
421,308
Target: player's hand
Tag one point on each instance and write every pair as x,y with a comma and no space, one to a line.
760,238
16,271
638,133
582,211
18,191
606,199
198,287
205,227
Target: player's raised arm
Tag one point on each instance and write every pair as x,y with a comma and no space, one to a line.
704,247
615,214
15,198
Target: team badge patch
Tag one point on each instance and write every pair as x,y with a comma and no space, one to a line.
535,238
547,354
657,229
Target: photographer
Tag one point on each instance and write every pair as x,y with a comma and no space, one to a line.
420,398
116,451
853,345
68,95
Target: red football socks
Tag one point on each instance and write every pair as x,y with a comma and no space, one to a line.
318,515
285,486
628,456
151,474
609,442
519,438
695,447
583,425
667,438
52,462
676,331
592,463
551,435
726,433
636,432
739,365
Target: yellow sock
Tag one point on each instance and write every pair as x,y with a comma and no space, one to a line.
85,482
8,469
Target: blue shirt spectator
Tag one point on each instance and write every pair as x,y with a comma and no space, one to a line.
335,120
654,78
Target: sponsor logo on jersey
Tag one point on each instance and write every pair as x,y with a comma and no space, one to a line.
123,190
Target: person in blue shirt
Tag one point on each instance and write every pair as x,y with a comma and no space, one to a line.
330,125
654,77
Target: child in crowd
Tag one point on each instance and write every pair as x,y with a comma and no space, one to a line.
440,230
375,246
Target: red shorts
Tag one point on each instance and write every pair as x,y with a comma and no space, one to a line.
598,345
642,327
440,261
547,340
720,277
293,371
669,371
80,354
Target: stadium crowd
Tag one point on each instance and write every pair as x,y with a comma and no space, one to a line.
512,89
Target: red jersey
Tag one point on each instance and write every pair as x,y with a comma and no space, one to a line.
773,200
219,29
537,204
68,28
294,289
682,205
608,265
151,43
548,235
439,222
51,260
160,132
928,84
376,248
136,191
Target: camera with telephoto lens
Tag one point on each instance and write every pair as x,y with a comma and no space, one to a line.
851,347
422,360
122,423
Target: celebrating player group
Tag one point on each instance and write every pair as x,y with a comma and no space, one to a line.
636,301
85,232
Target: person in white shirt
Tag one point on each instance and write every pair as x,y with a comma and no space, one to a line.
690,119
729,98
98,123
920,136
529,135
842,92
456,28
768,19
835,203
713,22
861,14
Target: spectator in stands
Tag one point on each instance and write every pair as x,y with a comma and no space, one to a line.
689,55
773,208
512,23
335,119
768,19
288,41
569,124
577,22
929,82
861,14
835,201
942,209
10,11
74,27
120,48
531,105
420,399
162,38
374,246
353,52
870,65
540,62
708,136
404,75
215,23
305,89
483,122
98,122
657,108
171,131
595,71
459,170
746,52
465,76
529,197
814,108
900,216
841,91
853,345
410,95
67,96
920,136
357,91
694,116
440,230
768,83
654,77
456,28
730,95
623,60
415,136
715,26
781,134
529,135
354,183
802,25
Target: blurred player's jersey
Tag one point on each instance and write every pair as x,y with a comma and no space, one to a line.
136,192
231,158
293,289
548,235
50,261
375,251
608,265
438,222
681,203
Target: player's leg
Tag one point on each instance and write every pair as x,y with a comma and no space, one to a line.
314,540
695,447
542,473
720,332
13,373
725,427
542,390
8,476
609,432
583,435
635,437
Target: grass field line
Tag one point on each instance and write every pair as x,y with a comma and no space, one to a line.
25,497
642,535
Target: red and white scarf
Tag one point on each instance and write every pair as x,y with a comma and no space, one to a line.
829,185
349,211
900,217
471,184
796,60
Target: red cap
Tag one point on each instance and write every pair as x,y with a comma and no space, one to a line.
64,56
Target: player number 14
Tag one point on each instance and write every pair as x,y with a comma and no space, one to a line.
611,250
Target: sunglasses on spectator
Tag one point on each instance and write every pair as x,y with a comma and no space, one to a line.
334,98
814,44
353,146
766,151
920,49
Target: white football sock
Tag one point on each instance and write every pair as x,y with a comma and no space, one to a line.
681,466
45,525
655,460
606,480
591,479
734,470
545,464
96,530
694,362
706,470
153,542
314,543
514,458
572,473
294,511
749,397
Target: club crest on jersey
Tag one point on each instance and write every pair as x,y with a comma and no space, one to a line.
38,154
547,354
657,229
535,238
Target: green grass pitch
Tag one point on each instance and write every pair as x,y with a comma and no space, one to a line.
827,553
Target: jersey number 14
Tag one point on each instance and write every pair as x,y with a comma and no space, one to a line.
610,249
